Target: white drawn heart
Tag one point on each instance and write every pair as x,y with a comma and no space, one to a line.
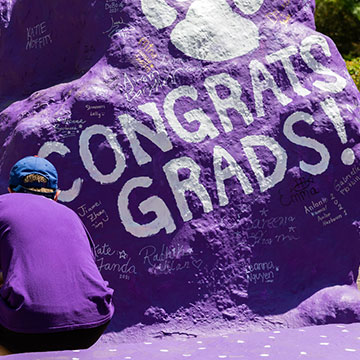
197,263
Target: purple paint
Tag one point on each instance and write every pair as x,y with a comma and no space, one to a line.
217,180
338,342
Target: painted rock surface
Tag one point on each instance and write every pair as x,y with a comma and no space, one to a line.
210,147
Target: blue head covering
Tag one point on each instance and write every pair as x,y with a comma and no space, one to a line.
33,165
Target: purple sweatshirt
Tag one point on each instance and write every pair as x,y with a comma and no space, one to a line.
51,281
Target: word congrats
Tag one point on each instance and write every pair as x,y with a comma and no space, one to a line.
262,81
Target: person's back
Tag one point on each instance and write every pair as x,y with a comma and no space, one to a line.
53,296
51,280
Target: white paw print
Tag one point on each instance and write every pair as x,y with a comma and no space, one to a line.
211,30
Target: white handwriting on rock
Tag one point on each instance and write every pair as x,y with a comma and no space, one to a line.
261,272
168,259
270,223
125,269
37,36
95,213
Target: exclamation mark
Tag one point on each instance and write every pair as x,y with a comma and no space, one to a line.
331,109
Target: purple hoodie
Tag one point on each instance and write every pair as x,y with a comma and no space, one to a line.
51,281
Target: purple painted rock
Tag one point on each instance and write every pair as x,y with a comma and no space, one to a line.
211,148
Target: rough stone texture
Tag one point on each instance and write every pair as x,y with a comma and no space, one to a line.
211,148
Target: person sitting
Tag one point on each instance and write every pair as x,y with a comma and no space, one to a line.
53,296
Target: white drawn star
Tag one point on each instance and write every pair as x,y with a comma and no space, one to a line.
122,254
292,229
264,212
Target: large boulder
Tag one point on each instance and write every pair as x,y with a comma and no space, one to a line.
210,147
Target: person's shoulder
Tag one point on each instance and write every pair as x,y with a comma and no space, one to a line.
27,200
6,195
35,201
17,196
58,206
11,203
9,196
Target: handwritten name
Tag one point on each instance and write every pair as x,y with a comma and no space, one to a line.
95,110
113,6
36,38
122,269
67,121
267,277
315,206
332,220
261,272
94,107
168,260
271,223
66,127
322,211
302,190
347,182
97,216
152,255
145,56
104,250
119,27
